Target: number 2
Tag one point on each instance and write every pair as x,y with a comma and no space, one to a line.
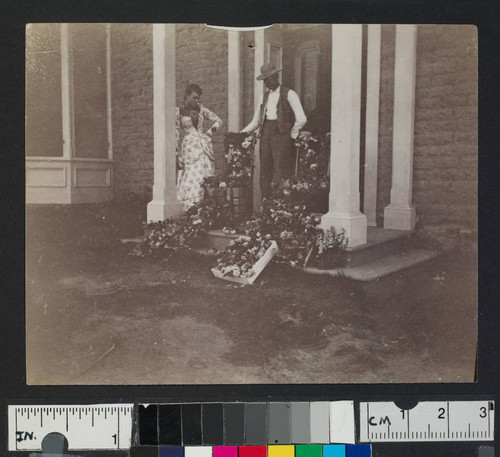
441,413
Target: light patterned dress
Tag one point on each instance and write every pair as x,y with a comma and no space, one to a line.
196,155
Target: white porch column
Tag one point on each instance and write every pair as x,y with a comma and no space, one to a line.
345,127
259,50
400,213
234,86
67,94
164,204
372,119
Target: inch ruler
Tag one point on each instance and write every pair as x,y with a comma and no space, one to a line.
427,421
86,427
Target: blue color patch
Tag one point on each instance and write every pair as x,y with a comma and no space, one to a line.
172,451
359,450
334,450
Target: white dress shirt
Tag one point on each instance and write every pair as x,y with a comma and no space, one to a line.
270,111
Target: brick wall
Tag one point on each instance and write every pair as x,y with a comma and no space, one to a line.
132,102
202,59
445,147
445,164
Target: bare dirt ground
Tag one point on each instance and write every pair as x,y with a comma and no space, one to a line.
99,316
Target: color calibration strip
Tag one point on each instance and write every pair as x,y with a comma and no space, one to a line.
252,424
301,450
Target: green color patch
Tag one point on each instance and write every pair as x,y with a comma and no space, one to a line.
308,450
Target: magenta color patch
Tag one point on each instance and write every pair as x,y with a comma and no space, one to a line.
225,451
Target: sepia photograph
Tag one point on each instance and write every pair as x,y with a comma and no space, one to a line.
288,204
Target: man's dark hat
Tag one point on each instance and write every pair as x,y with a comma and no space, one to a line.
267,70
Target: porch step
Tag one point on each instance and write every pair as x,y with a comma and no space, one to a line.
382,266
381,243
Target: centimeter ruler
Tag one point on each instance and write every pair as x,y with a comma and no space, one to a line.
427,421
99,427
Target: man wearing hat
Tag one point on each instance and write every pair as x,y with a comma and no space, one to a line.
277,119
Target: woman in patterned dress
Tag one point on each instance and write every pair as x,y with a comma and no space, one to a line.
195,155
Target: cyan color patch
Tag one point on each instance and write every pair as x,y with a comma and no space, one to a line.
334,450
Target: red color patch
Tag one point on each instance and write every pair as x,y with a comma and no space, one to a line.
253,451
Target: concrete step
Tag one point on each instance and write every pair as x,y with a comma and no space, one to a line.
381,243
382,266
386,252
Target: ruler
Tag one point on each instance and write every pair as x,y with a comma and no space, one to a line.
427,421
86,427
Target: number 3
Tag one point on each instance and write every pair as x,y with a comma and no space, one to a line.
483,412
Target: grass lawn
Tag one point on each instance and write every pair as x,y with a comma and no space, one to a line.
96,315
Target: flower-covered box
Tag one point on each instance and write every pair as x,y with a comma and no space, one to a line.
249,276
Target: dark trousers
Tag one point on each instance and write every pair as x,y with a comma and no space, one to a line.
276,161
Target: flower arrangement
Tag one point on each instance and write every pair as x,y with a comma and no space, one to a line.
241,255
168,234
203,216
290,225
296,232
186,230
311,181
330,248
314,155
238,164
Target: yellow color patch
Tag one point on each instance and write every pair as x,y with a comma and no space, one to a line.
281,451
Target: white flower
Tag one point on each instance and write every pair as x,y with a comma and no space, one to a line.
222,185
246,144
